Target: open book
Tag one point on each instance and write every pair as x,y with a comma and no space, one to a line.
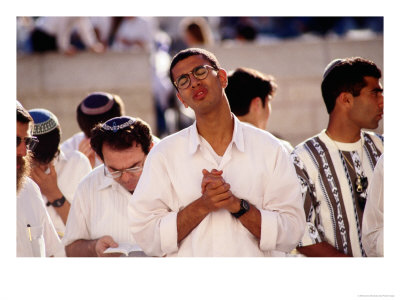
126,248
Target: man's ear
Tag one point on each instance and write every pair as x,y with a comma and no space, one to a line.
151,145
223,77
255,104
344,100
180,99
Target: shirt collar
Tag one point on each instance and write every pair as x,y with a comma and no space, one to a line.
105,181
237,137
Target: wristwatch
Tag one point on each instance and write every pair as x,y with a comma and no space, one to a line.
56,203
244,208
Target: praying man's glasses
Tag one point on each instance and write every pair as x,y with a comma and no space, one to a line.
118,173
30,142
199,73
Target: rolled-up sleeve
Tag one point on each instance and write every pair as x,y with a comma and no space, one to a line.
282,215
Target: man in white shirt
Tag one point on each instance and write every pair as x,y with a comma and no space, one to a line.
98,218
372,224
36,235
56,174
210,190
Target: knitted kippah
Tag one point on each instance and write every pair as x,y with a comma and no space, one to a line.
331,66
97,103
44,121
118,123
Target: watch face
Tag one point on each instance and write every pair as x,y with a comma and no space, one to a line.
245,205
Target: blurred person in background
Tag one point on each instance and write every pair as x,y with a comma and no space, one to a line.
54,34
36,235
250,93
372,224
195,31
56,173
98,218
336,166
134,33
97,107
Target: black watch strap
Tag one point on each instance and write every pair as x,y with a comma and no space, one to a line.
244,208
57,203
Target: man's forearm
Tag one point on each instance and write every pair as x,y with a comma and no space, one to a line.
323,249
189,217
252,221
81,248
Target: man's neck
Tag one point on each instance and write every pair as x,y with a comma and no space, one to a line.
342,132
217,129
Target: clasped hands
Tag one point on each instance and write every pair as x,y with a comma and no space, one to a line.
216,193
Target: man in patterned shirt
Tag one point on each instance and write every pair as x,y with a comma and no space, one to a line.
334,166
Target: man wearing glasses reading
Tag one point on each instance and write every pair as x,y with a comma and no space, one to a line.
98,216
334,167
219,187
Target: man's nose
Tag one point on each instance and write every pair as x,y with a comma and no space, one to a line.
193,80
21,149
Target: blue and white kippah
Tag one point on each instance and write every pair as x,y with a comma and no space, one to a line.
118,123
44,121
97,103
331,66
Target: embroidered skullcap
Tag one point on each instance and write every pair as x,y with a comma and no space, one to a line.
44,121
97,103
331,66
118,123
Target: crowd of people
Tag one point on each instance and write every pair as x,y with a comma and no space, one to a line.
223,186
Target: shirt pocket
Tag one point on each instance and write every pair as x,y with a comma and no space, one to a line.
37,243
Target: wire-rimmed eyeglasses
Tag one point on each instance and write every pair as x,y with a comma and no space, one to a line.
118,173
199,73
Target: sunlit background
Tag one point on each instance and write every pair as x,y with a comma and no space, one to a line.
130,56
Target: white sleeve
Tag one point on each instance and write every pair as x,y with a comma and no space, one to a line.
372,225
151,209
283,218
53,245
78,167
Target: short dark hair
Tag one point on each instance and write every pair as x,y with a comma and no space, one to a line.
347,75
23,115
245,84
122,139
87,122
48,146
191,52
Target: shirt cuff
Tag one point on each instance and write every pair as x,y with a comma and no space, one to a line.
269,230
169,233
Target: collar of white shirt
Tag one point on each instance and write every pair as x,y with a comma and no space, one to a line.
237,138
105,181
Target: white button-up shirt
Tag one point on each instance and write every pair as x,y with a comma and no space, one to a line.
99,208
372,224
70,170
40,239
257,167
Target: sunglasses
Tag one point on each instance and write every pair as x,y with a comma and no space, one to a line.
30,142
